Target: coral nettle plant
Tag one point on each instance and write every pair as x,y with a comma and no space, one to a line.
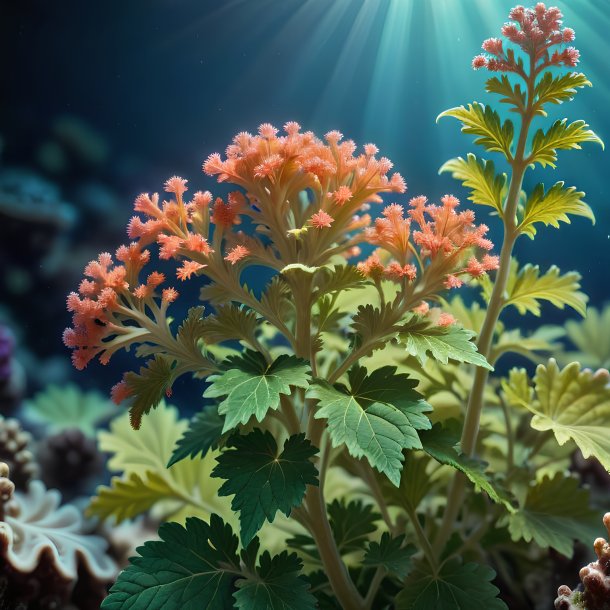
338,369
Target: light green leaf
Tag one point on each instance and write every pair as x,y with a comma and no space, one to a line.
457,586
263,480
552,207
575,405
560,136
376,417
203,434
517,389
526,288
511,94
63,407
252,387
391,554
478,175
482,121
444,343
591,337
190,568
555,513
556,89
275,585
440,443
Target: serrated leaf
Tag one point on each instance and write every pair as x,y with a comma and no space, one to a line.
439,443
556,89
457,586
148,387
484,122
517,389
145,453
526,288
372,325
252,387
190,568
376,417
555,513
130,496
263,480
203,434
420,336
479,175
542,341
67,406
276,585
591,337
575,405
560,136
415,483
230,321
338,278
391,554
511,94
552,207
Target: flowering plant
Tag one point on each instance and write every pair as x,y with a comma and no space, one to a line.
365,371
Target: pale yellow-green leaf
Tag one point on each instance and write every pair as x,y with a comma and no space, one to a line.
526,287
542,340
591,337
486,187
517,389
141,457
574,404
556,89
485,123
560,136
552,207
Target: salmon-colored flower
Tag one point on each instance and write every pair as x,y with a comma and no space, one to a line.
176,185
321,220
372,267
342,195
187,269
169,295
236,254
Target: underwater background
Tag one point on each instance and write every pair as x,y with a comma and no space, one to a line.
104,100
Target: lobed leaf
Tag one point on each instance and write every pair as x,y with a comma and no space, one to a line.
420,336
555,513
552,207
252,387
484,122
376,417
556,89
511,94
263,480
230,322
391,554
479,175
456,586
560,136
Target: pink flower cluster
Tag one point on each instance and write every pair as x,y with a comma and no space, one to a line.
444,237
535,31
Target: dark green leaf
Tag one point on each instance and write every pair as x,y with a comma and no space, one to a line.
263,480
190,568
252,387
377,417
456,587
391,554
231,321
351,523
276,585
440,443
203,434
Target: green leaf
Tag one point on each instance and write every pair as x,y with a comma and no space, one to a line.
444,343
372,325
130,496
230,321
526,288
510,94
555,513
203,434
517,389
337,279
377,417
190,568
560,136
263,480
440,443
478,175
482,121
575,405
67,406
552,207
149,387
457,586
252,387
591,337
390,554
552,89
415,483
276,585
